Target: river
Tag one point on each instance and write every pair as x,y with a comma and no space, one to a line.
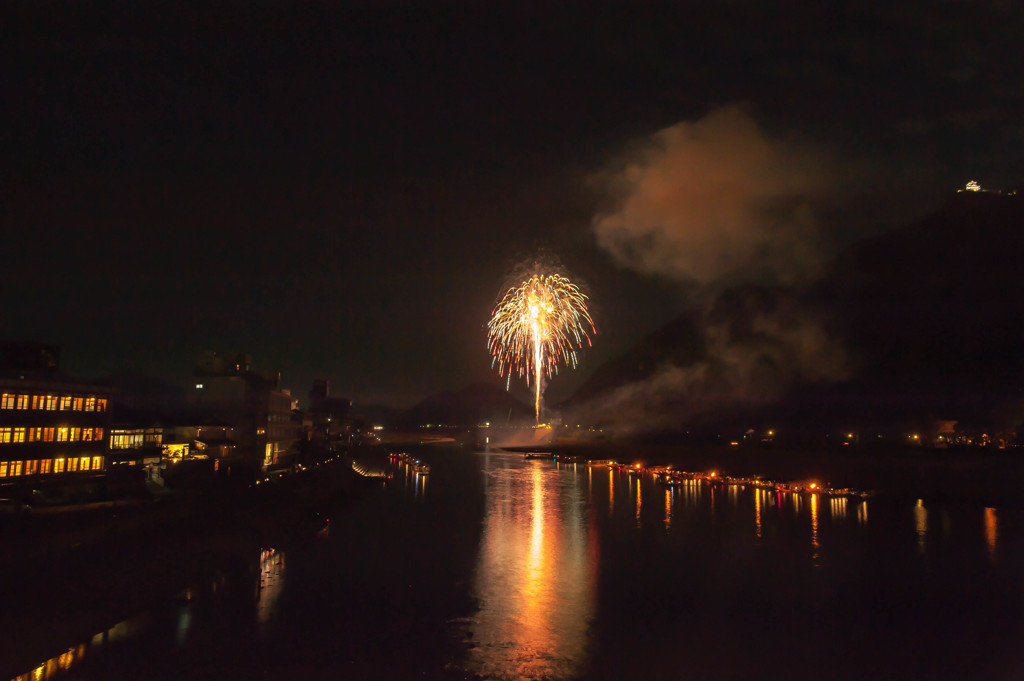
495,566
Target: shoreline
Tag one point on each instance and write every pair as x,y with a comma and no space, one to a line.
987,477
93,575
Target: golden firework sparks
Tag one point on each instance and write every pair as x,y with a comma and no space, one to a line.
538,326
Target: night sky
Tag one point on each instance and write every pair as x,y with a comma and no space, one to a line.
340,189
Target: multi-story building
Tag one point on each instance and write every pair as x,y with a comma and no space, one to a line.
330,417
53,430
254,405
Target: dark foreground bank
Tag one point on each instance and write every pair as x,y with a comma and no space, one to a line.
90,567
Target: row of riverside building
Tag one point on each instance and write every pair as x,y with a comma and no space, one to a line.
64,440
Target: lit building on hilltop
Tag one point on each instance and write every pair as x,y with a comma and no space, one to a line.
972,186
53,430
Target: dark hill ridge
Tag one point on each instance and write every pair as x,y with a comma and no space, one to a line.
470,406
679,342
941,302
922,321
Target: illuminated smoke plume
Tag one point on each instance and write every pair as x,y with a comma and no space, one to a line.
711,199
718,203
755,341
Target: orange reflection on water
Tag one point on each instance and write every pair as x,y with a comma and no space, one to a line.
56,666
991,532
838,507
862,513
815,545
611,490
921,523
668,508
639,502
535,577
757,511
536,573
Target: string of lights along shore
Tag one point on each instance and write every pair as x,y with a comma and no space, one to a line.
537,326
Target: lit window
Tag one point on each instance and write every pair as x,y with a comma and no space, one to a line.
101,405
36,402
22,401
31,467
86,434
78,403
45,466
90,404
48,434
74,434
85,464
65,403
3,469
58,465
62,435
72,465
7,401
97,463
15,468
97,434
5,435
19,435
51,402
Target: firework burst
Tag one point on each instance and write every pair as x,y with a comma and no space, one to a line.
536,327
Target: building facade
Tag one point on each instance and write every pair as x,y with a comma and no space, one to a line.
52,432
263,432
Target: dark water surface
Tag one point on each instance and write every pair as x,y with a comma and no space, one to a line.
507,568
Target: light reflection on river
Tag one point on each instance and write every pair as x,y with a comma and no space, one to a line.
585,572
535,576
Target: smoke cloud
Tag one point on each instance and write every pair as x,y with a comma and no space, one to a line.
713,199
718,203
757,342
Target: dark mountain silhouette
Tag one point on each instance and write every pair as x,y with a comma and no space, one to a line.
939,303
925,321
933,314
678,342
467,407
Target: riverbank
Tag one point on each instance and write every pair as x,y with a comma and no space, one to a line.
982,476
80,572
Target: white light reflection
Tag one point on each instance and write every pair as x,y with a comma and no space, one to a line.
272,575
184,624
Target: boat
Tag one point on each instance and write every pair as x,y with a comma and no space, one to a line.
539,455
